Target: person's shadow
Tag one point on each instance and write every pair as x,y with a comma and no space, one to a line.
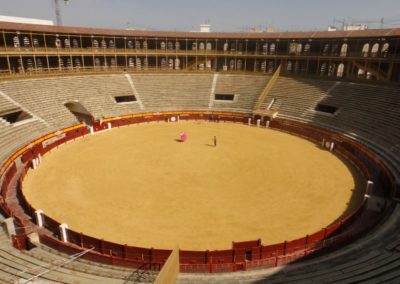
179,140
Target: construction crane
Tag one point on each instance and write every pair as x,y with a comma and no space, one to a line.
58,11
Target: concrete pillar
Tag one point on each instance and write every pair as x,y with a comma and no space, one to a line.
177,118
332,146
91,129
40,159
249,121
370,185
63,231
267,124
39,218
258,122
109,125
10,226
323,142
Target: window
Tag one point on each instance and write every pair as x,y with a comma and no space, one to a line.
224,97
125,99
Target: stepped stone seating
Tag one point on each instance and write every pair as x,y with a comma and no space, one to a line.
294,96
14,136
246,88
46,97
375,259
15,265
6,105
173,92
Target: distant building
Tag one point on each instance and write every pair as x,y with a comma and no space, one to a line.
25,20
205,28
358,27
332,29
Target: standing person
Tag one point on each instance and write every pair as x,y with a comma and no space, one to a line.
215,141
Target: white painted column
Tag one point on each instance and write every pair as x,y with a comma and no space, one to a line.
39,218
267,124
370,185
249,121
109,125
323,142
63,231
177,118
10,226
258,122
34,165
40,159
332,146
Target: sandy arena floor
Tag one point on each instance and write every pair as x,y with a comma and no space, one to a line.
138,185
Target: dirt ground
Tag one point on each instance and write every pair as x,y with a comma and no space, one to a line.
138,185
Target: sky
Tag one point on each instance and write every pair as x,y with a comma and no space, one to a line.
223,15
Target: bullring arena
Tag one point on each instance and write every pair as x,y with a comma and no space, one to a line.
195,195
96,186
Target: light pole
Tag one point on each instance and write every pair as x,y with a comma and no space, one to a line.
58,11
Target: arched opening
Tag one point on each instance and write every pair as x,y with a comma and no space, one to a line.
209,46
177,64
323,69
265,48
131,63
103,44
226,46
264,66
80,112
16,41
138,63
343,50
289,66
130,44
292,48
271,66
307,48
170,64
111,43
365,50
385,49
340,70
162,45
75,43
299,48
26,42
239,64
375,50
232,64
170,45
145,45
201,46
177,45
95,43
137,44
163,63
325,49
272,48
67,43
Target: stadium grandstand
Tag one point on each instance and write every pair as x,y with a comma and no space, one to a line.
339,90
